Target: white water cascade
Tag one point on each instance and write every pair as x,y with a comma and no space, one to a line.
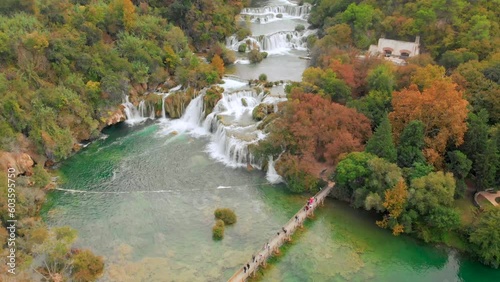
138,114
270,13
272,176
164,96
229,126
276,42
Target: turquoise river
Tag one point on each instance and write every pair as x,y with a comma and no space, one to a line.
145,200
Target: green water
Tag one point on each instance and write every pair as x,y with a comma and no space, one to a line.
149,212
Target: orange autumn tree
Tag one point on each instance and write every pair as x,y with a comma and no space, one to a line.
440,107
395,202
309,133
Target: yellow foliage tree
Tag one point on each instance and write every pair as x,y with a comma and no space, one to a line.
128,14
424,77
395,201
218,64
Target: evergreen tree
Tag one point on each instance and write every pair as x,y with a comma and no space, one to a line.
481,149
381,143
411,144
460,165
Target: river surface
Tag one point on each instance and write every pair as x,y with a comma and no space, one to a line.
145,201
143,197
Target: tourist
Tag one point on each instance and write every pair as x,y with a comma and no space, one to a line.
244,269
296,218
248,266
278,233
253,258
284,230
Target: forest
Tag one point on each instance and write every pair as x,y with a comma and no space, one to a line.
65,67
412,143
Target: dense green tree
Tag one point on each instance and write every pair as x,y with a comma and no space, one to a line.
363,178
411,144
381,79
485,237
418,170
460,165
432,191
381,143
481,149
375,106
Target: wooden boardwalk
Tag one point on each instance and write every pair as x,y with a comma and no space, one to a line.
274,243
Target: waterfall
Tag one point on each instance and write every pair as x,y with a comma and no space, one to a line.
138,114
233,128
163,114
272,176
229,126
274,42
271,11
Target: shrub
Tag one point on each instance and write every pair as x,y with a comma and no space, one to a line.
261,111
268,84
226,215
264,54
262,77
218,230
255,56
300,27
242,48
40,176
87,266
243,33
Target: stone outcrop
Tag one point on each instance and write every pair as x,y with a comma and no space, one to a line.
116,116
21,162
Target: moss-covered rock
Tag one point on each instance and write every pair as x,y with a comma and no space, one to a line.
266,121
212,96
244,102
156,101
242,48
176,103
261,111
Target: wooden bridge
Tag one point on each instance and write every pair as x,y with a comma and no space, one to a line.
272,246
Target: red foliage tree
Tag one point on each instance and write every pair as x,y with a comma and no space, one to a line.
320,130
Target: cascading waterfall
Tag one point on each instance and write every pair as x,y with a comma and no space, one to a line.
274,42
234,129
292,10
229,126
164,96
138,114
272,176
269,13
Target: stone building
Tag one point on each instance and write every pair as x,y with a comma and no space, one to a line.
395,48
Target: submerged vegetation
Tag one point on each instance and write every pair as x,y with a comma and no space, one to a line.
218,230
226,215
